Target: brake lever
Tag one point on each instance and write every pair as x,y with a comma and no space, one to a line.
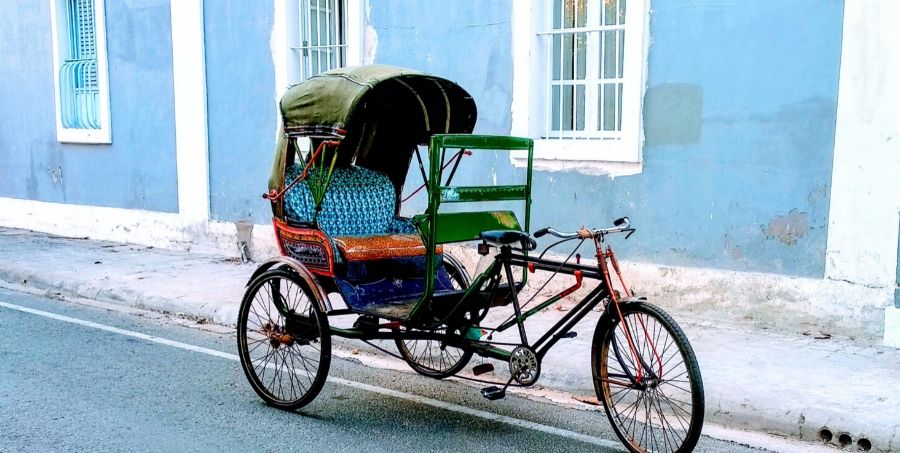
630,232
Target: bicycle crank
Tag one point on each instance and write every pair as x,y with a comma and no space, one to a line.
524,365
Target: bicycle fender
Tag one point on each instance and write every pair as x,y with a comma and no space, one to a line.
284,261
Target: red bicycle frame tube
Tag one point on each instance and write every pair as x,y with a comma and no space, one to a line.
604,259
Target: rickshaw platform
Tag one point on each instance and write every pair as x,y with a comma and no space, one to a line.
776,382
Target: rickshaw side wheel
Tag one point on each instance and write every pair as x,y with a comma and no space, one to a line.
284,340
431,358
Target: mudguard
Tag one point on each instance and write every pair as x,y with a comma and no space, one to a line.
287,262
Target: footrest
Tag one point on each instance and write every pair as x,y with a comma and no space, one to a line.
478,370
493,393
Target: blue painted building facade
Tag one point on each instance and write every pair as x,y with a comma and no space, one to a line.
739,116
760,165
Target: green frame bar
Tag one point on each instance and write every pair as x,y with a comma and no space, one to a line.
482,193
467,194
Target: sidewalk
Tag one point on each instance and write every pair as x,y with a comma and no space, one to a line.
787,384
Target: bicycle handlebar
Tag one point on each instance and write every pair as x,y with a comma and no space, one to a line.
620,225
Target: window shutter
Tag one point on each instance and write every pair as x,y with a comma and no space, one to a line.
78,80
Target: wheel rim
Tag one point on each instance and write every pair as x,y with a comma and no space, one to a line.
433,355
656,415
283,357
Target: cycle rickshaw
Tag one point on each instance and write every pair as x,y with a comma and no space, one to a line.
350,137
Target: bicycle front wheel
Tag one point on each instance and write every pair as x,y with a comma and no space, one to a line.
647,377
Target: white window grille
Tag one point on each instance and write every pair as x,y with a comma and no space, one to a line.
582,64
586,67
323,40
80,64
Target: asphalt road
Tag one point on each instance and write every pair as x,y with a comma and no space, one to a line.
71,387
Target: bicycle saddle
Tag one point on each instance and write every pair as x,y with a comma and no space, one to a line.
506,237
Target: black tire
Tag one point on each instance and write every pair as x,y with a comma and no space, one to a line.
433,358
286,360
671,396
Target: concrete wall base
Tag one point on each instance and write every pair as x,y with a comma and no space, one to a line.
892,327
768,301
773,301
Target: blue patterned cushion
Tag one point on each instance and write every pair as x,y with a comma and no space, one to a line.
358,202
401,225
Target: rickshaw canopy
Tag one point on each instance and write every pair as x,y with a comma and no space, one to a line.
380,113
326,104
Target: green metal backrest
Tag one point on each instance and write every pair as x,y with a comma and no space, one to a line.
442,228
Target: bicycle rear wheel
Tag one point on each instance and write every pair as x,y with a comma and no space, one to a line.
649,381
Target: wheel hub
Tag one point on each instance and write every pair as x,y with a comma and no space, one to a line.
277,335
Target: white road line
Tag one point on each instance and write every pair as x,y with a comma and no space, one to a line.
358,385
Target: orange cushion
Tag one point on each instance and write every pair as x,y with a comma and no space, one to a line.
368,248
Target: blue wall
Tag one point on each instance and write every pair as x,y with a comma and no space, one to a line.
739,118
240,81
138,170
469,42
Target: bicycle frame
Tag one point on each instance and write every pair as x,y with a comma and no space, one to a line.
607,264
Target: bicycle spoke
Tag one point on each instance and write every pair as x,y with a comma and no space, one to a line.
291,368
655,413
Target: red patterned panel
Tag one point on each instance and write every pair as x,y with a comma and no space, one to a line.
310,247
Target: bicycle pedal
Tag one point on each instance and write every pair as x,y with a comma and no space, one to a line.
478,370
493,393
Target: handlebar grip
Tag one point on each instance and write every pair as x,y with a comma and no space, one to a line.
541,232
620,221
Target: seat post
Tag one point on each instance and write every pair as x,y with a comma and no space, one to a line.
505,253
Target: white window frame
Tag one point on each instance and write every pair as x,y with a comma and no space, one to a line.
59,33
286,36
531,22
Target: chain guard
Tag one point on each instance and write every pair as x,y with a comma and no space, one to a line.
524,365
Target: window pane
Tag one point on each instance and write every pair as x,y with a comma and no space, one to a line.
609,107
556,56
561,111
569,13
314,62
322,31
313,27
581,8
581,55
554,107
569,18
563,56
579,107
619,111
332,29
567,107
622,12
621,47
557,14
609,61
610,12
